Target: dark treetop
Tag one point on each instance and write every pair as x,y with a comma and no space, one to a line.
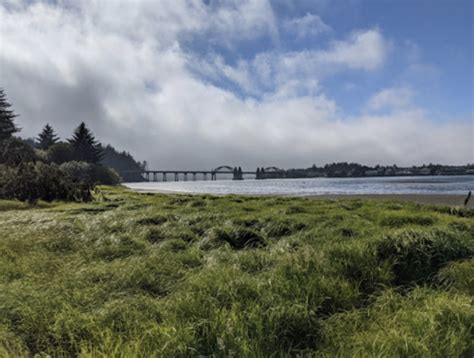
86,147
7,126
47,137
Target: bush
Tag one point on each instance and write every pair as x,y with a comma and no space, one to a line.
14,151
35,181
417,255
78,170
105,176
91,174
60,153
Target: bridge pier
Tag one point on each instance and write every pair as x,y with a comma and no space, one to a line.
194,176
165,176
185,176
176,176
237,175
205,176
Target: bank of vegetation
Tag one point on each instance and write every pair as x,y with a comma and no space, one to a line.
47,168
142,275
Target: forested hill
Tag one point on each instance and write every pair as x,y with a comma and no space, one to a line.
124,163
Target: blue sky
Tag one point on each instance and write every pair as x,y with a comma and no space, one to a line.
248,82
431,49
436,35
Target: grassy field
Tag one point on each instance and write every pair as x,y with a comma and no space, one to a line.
143,275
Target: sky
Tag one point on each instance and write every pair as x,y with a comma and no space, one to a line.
195,84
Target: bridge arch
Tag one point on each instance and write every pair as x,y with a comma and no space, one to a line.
272,169
231,169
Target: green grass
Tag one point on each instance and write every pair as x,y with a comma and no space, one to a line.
139,275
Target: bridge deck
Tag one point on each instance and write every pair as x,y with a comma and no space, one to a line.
152,175
191,172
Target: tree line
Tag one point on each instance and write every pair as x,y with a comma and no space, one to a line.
83,147
47,168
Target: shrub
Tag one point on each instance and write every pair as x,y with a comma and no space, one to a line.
14,151
104,175
60,153
417,255
78,170
34,181
91,174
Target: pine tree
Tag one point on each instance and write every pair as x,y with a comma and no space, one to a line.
7,126
86,147
47,137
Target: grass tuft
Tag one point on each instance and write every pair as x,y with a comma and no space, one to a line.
416,255
396,221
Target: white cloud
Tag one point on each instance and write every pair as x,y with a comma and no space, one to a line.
391,98
308,25
125,71
364,50
268,71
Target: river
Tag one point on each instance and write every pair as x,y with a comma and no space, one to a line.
318,186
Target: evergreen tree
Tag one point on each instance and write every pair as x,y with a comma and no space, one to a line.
47,137
86,148
7,126
124,163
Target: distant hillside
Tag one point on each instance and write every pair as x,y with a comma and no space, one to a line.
124,163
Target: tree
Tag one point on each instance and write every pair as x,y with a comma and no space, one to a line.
7,126
13,152
60,153
86,148
47,137
124,163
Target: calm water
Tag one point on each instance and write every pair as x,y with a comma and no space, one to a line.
320,186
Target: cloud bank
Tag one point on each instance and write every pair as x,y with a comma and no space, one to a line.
170,83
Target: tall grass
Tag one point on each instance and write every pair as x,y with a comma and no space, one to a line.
139,275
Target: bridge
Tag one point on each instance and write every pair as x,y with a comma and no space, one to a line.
236,172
